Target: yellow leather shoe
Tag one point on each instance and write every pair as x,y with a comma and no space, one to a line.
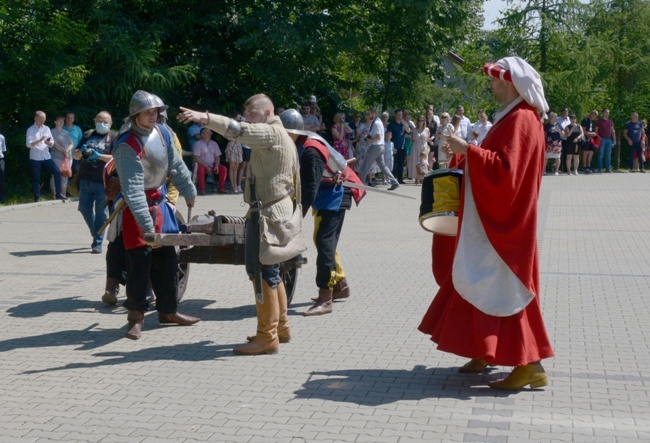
531,374
474,366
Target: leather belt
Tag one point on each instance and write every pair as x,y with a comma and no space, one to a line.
271,203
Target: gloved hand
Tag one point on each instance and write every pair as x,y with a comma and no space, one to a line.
94,155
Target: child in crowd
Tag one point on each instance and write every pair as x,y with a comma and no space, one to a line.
422,168
473,138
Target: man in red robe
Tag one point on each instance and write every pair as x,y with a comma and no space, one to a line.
487,308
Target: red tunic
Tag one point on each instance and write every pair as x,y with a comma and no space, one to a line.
505,192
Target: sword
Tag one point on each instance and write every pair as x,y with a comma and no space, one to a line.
370,188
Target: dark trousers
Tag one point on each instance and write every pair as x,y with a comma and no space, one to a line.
327,230
50,167
116,260
161,266
398,166
636,147
2,180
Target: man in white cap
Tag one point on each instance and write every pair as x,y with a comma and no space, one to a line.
315,114
488,308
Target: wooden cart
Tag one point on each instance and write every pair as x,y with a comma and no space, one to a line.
216,239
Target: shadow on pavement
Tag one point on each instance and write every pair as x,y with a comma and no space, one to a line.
375,387
195,307
85,339
49,252
192,352
66,304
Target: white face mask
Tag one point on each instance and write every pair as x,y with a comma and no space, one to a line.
102,128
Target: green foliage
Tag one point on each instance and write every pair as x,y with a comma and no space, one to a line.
91,55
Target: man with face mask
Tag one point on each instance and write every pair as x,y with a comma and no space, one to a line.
274,162
94,152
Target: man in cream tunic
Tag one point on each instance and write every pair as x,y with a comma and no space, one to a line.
274,162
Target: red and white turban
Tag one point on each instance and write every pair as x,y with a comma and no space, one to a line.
495,71
526,79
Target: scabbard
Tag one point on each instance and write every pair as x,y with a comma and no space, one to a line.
255,207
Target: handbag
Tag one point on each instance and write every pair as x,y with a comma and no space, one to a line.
282,240
66,168
595,141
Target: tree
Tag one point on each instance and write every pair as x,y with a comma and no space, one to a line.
618,29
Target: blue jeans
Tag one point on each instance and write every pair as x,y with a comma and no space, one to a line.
92,205
636,147
270,273
50,167
606,152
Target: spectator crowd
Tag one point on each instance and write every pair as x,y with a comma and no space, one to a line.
587,147
385,150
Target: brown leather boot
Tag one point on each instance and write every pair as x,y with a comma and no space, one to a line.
268,315
341,290
112,289
323,304
134,328
284,331
177,318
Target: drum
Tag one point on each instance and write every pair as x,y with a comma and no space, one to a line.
440,201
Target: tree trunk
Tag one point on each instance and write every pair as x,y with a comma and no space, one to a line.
389,72
619,89
543,38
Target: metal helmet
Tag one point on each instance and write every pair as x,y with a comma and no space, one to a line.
143,101
162,115
291,119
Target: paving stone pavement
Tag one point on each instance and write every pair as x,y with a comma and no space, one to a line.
362,374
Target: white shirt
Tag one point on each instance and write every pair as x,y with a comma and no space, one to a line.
3,146
464,126
207,152
482,129
377,128
39,151
563,122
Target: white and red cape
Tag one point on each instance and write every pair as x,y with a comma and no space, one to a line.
488,303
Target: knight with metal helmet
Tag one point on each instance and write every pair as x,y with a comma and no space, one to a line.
145,157
322,172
